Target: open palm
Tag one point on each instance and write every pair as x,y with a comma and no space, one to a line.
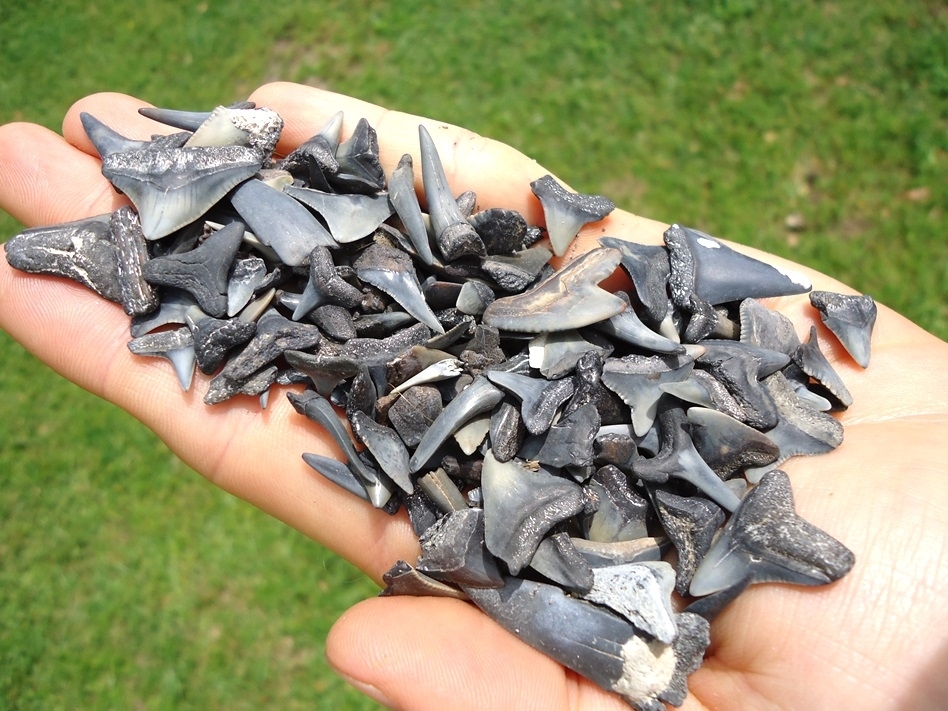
877,639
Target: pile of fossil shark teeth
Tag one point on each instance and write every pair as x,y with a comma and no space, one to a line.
568,456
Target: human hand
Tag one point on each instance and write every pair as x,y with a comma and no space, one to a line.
884,492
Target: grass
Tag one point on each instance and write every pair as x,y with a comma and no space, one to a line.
125,579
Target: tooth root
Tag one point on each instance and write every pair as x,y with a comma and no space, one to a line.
690,522
641,593
453,549
851,318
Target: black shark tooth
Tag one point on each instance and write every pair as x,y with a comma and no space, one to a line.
851,318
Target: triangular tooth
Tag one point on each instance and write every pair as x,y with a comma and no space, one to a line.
280,222
767,540
454,235
557,559
350,217
359,167
705,266
453,549
621,514
176,306
257,128
599,554
690,522
570,298
540,398
176,346
106,140
811,361
767,328
851,318
570,441
401,193
728,445
565,212
627,327
641,593
521,505
245,277
437,485
636,380
402,579
391,270
332,130
386,446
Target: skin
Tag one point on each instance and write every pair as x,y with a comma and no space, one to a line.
876,639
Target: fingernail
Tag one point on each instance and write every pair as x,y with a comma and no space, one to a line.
371,691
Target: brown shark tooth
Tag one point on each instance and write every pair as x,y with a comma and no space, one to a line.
82,251
176,346
812,362
568,299
851,318
402,579
349,217
391,270
567,212
521,506
599,554
690,522
454,235
766,540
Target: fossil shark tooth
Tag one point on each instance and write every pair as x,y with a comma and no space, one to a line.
350,217
246,276
131,252
506,432
214,338
621,514
358,158
851,318
401,194
319,410
338,473
82,251
678,458
570,441
439,370
454,235
402,579
202,271
176,346
186,120
766,539
567,212
705,266
474,297
690,523
108,141
391,270
280,222
479,397
502,231
641,593
766,328
739,371
557,559
386,446
647,266
811,361
702,388
556,354
471,434
568,299
515,272
628,327
728,445
325,285
540,398
275,335
636,380
800,429
176,307
257,128
521,505
453,550
596,643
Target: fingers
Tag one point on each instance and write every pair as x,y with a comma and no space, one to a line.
431,654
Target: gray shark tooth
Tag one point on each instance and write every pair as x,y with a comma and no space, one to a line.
176,306
325,369
565,212
443,492
556,354
335,321
800,429
851,318
246,276
223,386
312,161
402,579
131,252
710,606
202,271
702,388
106,140
338,473
275,335
454,235
728,445
641,593
766,539
475,296
647,266
811,361
380,351
621,514
626,326
422,512
568,299
176,346
702,319
557,559
363,395
325,285
391,270
594,642
467,201
386,446
184,120
768,360
739,372
599,554
453,550
319,410
350,217
570,441
214,337
280,222
766,328
478,398
502,231
401,193
358,157
377,325
172,187
521,505
678,458
690,522
705,266
256,128
82,251
636,380
540,398
515,272
506,432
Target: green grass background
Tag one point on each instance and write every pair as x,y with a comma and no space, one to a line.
126,581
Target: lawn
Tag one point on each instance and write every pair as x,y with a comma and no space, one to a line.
126,581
